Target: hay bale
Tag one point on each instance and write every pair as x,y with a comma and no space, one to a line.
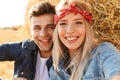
106,20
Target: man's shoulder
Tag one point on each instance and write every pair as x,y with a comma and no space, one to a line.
29,44
28,41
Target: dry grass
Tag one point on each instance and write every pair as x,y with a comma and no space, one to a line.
9,35
106,20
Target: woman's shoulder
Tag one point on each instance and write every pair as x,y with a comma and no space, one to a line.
105,49
106,46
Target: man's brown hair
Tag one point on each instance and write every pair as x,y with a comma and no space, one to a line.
41,8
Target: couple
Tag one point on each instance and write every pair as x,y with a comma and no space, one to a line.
75,54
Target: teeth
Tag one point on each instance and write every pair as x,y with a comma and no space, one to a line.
71,38
45,40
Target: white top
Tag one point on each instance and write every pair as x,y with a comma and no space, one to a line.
41,68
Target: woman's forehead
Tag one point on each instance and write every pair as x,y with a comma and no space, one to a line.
72,16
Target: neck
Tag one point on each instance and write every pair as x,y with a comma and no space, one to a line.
71,53
45,54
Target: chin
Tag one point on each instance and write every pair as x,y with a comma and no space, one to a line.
47,49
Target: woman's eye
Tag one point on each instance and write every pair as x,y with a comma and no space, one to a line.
78,22
62,23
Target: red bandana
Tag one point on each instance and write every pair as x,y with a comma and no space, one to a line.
73,9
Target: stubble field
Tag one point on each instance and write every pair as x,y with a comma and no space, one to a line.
9,35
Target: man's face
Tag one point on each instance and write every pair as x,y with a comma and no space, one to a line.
42,28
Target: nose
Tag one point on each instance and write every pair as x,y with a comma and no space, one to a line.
70,29
43,32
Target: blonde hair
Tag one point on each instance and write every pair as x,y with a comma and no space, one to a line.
82,55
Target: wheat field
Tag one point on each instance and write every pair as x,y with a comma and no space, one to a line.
9,35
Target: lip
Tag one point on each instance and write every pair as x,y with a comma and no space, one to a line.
72,39
45,41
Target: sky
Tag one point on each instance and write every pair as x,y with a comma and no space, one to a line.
12,12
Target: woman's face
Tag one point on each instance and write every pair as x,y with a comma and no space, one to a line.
71,30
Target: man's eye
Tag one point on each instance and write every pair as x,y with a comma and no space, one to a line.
37,28
51,27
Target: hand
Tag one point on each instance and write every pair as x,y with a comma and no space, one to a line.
116,77
19,78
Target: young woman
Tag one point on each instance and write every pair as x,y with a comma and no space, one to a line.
76,55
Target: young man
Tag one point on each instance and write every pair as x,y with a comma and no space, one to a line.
32,57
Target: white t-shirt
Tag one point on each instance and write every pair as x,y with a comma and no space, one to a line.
41,68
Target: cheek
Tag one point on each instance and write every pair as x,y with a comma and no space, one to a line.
31,31
83,34
81,30
61,32
50,32
34,34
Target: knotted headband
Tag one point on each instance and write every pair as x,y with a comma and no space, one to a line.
75,10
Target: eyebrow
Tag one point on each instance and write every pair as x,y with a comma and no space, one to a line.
50,25
36,25
63,20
